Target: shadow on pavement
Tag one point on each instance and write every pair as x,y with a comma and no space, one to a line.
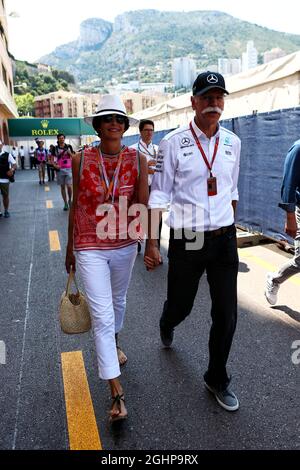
289,311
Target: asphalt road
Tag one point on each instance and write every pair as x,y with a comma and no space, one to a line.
167,403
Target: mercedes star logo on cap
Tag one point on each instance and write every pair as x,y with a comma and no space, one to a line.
212,78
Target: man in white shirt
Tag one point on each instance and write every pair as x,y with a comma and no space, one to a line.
146,147
32,158
197,171
14,153
7,169
22,157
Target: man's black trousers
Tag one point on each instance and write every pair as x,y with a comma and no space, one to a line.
219,258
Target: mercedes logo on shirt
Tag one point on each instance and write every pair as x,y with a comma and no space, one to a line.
186,142
212,78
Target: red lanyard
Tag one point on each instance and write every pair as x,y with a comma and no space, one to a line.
109,187
209,166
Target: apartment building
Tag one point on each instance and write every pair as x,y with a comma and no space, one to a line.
229,66
184,72
250,57
8,107
275,53
135,102
66,104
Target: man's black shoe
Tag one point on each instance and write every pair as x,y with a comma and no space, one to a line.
166,336
226,398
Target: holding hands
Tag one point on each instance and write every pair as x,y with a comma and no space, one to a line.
152,257
151,167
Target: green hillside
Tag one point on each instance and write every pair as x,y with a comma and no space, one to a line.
143,42
30,82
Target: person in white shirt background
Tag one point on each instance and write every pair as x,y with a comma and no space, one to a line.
14,153
22,157
197,171
32,158
146,147
7,169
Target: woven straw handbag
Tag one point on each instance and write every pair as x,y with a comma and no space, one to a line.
74,313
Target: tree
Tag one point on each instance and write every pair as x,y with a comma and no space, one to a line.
63,85
25,104
63,75
40,83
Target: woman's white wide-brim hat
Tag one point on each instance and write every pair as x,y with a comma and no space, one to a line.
110,104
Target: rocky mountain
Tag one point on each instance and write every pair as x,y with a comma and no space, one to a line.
140,44
94,32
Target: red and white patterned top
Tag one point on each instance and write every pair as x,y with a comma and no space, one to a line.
94,227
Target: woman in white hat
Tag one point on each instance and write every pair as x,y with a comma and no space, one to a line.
105,248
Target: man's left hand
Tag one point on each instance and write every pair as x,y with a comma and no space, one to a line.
152,257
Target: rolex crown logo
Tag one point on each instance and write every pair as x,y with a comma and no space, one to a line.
45,123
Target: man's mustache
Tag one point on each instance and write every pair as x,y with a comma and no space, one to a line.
212,109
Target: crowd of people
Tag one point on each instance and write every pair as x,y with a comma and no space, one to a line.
119,196
55,161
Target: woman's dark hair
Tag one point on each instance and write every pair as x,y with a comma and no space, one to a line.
97,122
145,122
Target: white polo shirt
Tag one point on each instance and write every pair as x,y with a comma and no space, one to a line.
181,179
150,151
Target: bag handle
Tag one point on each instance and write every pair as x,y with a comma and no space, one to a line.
70,279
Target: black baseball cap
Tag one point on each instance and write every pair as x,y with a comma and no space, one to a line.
207,81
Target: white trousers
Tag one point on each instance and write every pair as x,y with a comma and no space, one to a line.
106,275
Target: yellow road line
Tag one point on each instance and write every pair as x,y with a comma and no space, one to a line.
47,189
49,204
264,264
257,260
82,426
54,241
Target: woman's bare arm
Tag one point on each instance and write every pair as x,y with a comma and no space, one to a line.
70,258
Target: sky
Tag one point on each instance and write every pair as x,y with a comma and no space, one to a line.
44,25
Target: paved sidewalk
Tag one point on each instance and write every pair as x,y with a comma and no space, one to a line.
168,405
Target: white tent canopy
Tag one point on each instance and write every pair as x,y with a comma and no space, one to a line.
271,86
